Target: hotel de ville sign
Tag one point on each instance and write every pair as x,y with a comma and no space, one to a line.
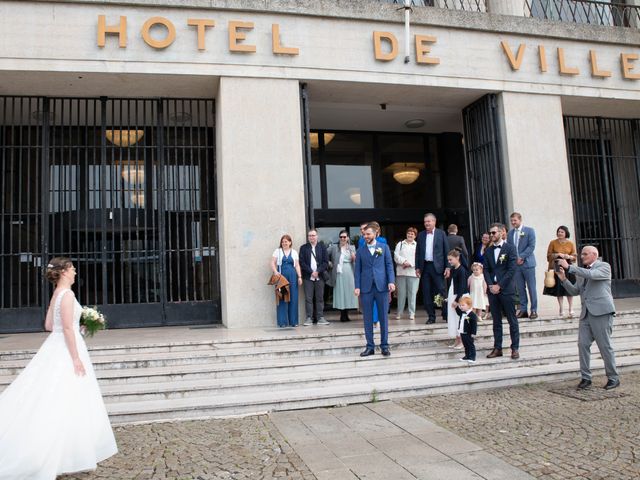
385,46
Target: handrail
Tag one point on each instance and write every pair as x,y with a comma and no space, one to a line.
594,12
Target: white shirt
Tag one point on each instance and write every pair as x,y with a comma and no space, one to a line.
498,251
372,247
516,236
278,253
314,264
428,254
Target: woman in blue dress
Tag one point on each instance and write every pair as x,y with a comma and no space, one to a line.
285,261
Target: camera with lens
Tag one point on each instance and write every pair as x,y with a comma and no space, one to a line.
556,265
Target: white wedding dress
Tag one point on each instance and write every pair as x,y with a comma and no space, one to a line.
51,420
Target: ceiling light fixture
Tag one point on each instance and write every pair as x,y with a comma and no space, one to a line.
415,123
124,138
315,141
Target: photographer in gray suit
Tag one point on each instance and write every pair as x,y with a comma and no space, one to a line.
593,283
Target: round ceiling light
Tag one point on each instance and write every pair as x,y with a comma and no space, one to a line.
415,123
406,175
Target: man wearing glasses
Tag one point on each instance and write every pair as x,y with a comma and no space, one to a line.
499,268
593,283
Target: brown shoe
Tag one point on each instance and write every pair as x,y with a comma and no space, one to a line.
515,355
522,314
533,315
495,353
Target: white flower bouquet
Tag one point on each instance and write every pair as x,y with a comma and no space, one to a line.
439,300
91,320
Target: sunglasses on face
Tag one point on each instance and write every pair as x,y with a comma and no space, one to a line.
493,233
342,236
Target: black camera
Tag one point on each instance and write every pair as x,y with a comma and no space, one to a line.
556,265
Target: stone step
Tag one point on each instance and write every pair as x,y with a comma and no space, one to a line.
323,348
289,399
302,336
405,357
364,372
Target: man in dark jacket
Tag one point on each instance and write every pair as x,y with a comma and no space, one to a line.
314,262
431,264
499,270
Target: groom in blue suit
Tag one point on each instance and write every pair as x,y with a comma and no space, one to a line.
374,279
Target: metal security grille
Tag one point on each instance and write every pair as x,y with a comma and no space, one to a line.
126,188
604,168
485,187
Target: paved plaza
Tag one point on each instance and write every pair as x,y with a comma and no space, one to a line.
546,431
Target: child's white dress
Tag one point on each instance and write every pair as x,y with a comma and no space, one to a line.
476,290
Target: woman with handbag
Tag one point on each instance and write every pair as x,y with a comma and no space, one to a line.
284,261
341,259
406,279
563,248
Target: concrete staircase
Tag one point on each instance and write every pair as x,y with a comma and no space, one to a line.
320,366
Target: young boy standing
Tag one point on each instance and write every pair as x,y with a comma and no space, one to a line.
468,329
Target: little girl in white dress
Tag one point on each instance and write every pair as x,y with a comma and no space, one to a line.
52,416
478,289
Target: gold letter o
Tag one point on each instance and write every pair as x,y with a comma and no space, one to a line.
168,40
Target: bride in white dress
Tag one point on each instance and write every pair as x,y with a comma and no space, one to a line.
52,417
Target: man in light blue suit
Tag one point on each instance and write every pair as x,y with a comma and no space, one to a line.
524,239
374,279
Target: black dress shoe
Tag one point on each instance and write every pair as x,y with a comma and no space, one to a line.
366,352
584,384
385,352
611,384
522,314
431,320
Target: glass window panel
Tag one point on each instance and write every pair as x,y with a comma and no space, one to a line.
403,156
349,160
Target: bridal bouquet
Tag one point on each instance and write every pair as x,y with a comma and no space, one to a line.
438,300
91,320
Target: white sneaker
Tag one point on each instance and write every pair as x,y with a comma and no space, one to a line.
308,322
398,317
323,321
412,316
471,362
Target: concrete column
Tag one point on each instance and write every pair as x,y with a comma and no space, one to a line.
536,171
507,7
260,190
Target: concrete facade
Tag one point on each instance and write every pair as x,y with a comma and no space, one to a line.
533,142
260,190
541,69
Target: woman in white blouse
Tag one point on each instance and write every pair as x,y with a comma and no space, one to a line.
285,261
406,279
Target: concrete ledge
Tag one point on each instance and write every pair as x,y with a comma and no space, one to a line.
377,11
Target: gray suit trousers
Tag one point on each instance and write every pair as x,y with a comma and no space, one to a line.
596,328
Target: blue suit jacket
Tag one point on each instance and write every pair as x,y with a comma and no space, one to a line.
501,273
374,271
526,245
440,250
